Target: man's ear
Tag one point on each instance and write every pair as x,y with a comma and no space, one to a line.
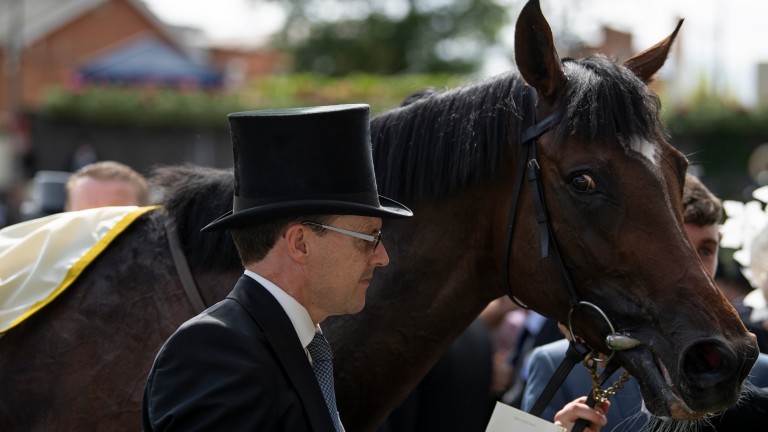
296,237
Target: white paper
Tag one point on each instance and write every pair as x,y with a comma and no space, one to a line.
509,419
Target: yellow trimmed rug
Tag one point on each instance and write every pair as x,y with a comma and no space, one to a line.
39,259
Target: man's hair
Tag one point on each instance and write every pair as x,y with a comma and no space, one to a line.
115,171
253,242
700,206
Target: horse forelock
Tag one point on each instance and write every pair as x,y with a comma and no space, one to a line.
194,196
605,100
437,143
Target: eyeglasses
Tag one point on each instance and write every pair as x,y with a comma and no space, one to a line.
375,239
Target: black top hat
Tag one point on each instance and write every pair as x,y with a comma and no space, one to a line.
304,161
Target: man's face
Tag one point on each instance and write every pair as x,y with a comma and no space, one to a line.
343,268
89,193
706,241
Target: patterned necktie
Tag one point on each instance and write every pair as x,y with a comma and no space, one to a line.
322,363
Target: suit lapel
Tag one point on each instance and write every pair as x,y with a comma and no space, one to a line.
280,334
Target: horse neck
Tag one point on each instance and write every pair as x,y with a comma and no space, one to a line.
441,276
215,285
212,280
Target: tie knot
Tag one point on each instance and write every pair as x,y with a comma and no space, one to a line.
319,348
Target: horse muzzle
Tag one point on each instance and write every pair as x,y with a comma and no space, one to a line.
705,378
710,367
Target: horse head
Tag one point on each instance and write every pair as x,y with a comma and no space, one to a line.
615,212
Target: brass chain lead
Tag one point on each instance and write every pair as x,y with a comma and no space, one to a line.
598,392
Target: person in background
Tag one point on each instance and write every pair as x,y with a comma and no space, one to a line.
84,154
755,308
104,184
735,286
702,212
505,320
455,395
307,224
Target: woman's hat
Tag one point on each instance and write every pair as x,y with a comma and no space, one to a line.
304,161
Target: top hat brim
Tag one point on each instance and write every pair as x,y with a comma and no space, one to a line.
387,209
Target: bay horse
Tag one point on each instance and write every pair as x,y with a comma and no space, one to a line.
611,253
610,183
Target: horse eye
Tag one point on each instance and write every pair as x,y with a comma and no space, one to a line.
583,183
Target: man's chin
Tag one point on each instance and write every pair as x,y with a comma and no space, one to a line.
357,305
357,308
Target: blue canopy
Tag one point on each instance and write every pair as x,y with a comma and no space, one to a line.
149,60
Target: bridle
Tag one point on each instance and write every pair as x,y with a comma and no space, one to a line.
531,133
529,168
188,283
529,165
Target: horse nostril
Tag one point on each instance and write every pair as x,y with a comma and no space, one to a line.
708,363
711,355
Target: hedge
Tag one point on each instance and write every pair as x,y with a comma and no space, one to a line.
161,107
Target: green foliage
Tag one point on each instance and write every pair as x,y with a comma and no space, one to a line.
381,92
713,118
719,135
155,108
141,107
422,36
705,113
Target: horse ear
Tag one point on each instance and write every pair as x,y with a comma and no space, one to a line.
648,62
535,52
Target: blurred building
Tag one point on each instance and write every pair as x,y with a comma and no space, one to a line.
243,63
619,45
762,85
616,44
46,43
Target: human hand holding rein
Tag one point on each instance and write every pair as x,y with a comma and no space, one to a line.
578,409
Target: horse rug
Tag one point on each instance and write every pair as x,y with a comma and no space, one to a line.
40,258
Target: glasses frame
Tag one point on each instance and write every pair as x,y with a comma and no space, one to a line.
376,240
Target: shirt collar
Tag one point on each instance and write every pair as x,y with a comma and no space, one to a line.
297,313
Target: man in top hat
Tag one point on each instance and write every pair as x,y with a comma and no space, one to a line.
306,222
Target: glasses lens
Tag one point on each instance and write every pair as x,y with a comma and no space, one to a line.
376,241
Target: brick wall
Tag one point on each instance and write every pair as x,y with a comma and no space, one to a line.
54,59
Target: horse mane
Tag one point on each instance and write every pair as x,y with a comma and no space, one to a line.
437,143
193,196
604,100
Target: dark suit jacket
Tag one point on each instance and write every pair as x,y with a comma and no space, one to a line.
237,366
